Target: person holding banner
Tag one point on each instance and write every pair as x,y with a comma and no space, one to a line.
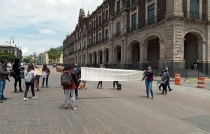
100,82
38,75
148,74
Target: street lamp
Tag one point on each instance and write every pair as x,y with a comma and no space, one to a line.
12,40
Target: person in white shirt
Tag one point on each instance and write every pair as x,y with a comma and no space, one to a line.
27,74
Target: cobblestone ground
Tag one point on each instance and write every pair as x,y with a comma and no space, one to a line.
185,110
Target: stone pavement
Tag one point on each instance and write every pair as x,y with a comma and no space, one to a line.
185,110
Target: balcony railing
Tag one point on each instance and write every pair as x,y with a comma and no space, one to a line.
196,15
117,34
105,21
117,13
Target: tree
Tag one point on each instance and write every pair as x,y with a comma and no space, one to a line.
7,55
26,60
54,54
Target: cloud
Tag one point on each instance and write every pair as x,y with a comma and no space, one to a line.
24,51
40,24
46,31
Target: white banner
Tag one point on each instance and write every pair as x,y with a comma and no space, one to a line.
105,74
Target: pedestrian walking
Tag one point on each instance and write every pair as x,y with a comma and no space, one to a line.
148,75
100,82
169,87
45,75
29,76
17,76
3,76
71,88
166,77
115,82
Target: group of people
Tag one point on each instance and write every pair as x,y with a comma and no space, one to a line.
164,83
18,73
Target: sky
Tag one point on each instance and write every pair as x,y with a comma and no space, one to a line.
38,25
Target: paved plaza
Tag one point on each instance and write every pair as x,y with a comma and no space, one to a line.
185,110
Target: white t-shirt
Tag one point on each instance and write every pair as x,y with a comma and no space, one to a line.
33,73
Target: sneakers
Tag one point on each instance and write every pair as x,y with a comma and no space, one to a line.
25,99
34,97
38,90
65,107
74,107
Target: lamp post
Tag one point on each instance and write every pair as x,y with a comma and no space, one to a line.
12,40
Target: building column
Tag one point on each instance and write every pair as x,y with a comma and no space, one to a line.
143,63
111,52
174,8
208,10
103,57
162,54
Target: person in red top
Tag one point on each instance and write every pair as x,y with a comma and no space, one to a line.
71,88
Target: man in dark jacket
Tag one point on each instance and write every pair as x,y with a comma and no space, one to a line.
148,82
16,69
3,76
166,77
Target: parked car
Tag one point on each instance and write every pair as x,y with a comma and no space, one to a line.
54,65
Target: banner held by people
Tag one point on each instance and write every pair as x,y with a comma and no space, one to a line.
105,74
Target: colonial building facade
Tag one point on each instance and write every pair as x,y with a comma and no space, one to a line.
15,50
138,33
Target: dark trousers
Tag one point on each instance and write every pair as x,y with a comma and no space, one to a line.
161,85
165,87
28,85
99,83
46,81
15,84
115,82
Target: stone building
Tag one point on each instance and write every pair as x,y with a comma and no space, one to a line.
138,33
15,50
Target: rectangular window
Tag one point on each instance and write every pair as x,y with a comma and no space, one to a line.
118,7
151,14
94,24
118,29
133,23
133,2
107,15
99,37
194,9
99,20
106,34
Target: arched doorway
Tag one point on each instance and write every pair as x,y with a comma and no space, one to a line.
135,53
153,51
100,57
192,50
106,52
117,54
90,58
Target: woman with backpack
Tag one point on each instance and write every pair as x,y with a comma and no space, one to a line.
68,70
29,77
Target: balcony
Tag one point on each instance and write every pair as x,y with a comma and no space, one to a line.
116,13
105,21
196,16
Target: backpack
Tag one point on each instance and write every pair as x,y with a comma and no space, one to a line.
28,77
66,79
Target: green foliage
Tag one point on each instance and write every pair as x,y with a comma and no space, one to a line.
8,56
54,54
26,60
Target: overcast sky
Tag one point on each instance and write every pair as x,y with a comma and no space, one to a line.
38,25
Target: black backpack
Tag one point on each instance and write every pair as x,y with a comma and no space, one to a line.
66,79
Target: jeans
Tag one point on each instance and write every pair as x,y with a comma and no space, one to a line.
165,87
115,82
15,84
72,92
2,87
28,85
169,85
46,82
149,87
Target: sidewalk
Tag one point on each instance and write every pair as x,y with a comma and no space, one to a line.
185,110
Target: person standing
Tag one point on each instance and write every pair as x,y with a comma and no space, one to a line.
169,87
195,64
77,72
100,82
148,74
38,75
71,88
16,69
3,76
115,82
166,77
45,75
